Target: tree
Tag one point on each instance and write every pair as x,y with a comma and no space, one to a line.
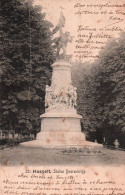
111,91
26,56
101,92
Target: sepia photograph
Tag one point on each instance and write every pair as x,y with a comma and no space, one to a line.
62,97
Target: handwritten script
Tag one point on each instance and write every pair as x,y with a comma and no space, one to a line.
97,23
59,182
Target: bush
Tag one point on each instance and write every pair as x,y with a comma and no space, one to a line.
6,143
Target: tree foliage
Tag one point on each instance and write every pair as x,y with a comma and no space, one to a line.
25,58
101,94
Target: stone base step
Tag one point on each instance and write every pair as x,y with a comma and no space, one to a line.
60,140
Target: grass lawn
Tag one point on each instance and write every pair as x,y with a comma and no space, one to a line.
19,156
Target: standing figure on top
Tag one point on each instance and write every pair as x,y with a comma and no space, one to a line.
63,39
62,43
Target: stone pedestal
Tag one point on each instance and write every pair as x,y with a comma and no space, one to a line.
60,125
60,129
60,122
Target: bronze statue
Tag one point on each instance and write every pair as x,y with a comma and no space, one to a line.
63,39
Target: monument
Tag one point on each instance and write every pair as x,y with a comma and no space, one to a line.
60,124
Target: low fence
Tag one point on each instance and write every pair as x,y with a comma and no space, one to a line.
9,139
10,134
113,147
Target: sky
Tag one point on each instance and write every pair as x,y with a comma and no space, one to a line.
73,20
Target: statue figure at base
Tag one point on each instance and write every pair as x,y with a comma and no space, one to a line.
64,98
